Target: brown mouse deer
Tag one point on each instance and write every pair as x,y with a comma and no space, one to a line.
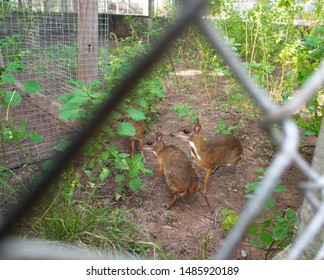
176,166
220,150
139,130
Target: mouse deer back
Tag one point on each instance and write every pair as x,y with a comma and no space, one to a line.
219,150
176,166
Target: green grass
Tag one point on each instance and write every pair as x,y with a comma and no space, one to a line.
89,223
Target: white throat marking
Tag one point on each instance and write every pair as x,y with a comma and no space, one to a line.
192,145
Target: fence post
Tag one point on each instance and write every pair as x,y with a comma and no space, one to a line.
88,40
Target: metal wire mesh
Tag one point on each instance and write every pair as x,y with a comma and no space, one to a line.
43,38
286,137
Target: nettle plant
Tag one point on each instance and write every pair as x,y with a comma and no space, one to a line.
11,130
185,111
273,229
102,159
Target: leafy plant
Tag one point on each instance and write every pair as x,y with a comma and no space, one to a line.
230,217
102,160
274,229
223,128
82,101
310,119
185,111
11,131
86,222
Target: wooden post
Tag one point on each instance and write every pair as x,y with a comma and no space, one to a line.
150,13
88,40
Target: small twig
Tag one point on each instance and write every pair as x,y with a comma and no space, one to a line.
132,196
190,213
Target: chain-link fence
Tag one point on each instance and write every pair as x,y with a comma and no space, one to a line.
286,137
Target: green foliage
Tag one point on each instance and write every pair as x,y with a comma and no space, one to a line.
185,111
12,131
14,45
274,228
310,119
103,162
277,53
82,101
89,222
230,218
223,128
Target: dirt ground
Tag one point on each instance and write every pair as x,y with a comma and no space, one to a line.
186,230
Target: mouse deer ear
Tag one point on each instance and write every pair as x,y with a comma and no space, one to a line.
196,121
159,136
197,128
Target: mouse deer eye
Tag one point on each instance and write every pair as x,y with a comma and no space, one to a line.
150,143
186,131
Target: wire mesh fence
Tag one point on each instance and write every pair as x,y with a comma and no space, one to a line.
53,44
286,137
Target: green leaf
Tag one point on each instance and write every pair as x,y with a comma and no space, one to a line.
134,114
22,133
8,78
230,219
312,41
79,84
266,238
270,203
95,84
35,137
254,242
280,189
69,112
280,232
98,97
105,172
147,172
32,87
249,196
47,164
14,66
62,145
126,129
252,187
66,96
134,172
142,102
135,184
23,124
79,100
121,163
253,230
267,223
105,155
115,115
120,178
306,133
12,97
291,214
